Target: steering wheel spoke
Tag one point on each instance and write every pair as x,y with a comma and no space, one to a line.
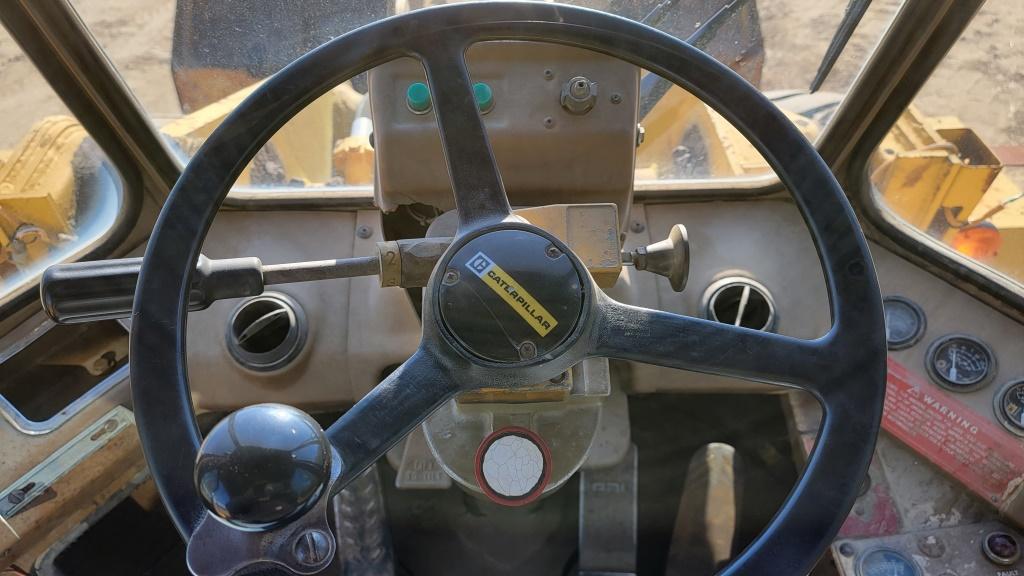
479,192
388,412
845,369
687,343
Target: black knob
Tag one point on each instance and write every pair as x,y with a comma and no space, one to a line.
263,466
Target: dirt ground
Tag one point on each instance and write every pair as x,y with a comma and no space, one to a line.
981,80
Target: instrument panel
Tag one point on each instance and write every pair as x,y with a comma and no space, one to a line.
356,330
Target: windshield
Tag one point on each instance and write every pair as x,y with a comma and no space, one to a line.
191,62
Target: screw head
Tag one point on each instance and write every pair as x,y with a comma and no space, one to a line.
636,227
450,277
846,549
549,74
931,546
552,251
527,350
549,122
364,231
312,548
616,98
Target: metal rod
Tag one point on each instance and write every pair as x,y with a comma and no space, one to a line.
855,10
654,87
320,270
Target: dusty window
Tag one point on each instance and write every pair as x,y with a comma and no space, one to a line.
59,196
190,62
953,164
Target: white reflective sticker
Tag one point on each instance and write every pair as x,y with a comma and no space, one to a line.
512,466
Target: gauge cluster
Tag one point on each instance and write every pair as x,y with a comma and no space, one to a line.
958,362
982,549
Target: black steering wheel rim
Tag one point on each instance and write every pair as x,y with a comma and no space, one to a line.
850,358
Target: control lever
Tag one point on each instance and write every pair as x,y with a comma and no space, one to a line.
669,258
105,289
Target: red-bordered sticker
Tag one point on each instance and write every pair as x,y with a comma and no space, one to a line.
965,444
513,466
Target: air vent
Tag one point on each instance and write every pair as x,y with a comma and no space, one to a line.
740,302
267,332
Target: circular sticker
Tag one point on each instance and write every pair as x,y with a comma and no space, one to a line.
513,466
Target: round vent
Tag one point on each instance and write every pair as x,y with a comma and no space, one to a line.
266,332
740,302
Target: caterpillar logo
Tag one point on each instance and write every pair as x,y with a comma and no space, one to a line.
512,293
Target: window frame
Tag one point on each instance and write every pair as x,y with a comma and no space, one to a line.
57,43
922,32
938,27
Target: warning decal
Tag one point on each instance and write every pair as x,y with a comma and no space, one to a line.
965,444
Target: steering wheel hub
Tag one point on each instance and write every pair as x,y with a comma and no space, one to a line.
511,295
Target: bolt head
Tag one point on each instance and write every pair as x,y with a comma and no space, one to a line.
527,350
364,231
312,548
579,95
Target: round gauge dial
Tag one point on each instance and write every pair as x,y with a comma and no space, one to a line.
904,322
1010,406
960,363
884,562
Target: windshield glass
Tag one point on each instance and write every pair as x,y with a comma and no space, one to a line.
191,62
60,197
952,166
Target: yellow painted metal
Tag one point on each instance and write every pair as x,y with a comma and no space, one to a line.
301,150
927,164
938,175
37,192
681,120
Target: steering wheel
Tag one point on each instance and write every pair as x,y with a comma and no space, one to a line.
844,370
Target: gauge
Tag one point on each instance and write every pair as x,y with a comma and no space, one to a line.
885,562
960,363
1009,406
904,322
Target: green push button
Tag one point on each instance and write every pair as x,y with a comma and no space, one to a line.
484,96
417,97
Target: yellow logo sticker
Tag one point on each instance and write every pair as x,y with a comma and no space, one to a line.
512,293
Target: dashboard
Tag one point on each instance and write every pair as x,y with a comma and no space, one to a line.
945,494
949,462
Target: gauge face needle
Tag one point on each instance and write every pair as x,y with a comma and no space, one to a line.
952,362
